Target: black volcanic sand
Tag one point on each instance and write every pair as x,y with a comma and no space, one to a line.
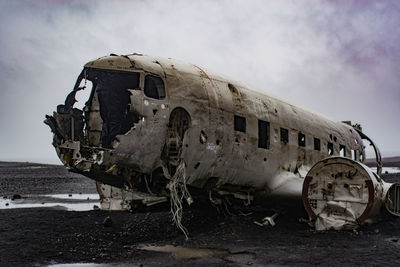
45,236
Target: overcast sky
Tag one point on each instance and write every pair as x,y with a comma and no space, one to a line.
339,58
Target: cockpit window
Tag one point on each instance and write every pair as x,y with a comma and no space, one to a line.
154,87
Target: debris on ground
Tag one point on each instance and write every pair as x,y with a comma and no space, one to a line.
107,222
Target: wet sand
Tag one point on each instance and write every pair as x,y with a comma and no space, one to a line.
54,235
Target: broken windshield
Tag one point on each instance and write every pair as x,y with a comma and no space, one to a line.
111,88
114,99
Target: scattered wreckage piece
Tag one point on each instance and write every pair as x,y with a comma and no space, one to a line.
146,117
114,198
268,220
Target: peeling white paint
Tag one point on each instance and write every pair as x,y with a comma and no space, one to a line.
212,147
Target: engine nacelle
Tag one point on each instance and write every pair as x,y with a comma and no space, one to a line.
340,193
392,198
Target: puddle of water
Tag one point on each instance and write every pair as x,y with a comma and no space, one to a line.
114,264
75,202
75,196
187,253
393,240
76,264
80,206
32,167
241,258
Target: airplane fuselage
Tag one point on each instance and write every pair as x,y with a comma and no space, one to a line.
222,129
154,126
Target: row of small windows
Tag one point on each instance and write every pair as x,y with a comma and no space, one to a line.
264,136
317,142
239,125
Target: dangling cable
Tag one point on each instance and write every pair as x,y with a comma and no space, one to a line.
178,192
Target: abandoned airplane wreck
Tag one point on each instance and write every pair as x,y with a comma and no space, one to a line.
156,129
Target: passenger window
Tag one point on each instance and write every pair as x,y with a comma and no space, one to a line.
154,87
342,150
317,144
302,139
263,134
354,154
284,135
240,124
330,148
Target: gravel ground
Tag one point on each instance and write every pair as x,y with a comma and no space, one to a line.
46,236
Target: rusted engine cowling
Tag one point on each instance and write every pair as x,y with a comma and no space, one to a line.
340,193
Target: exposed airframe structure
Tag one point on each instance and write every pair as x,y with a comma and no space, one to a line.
156,128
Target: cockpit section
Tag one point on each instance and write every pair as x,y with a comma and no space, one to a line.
123,107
